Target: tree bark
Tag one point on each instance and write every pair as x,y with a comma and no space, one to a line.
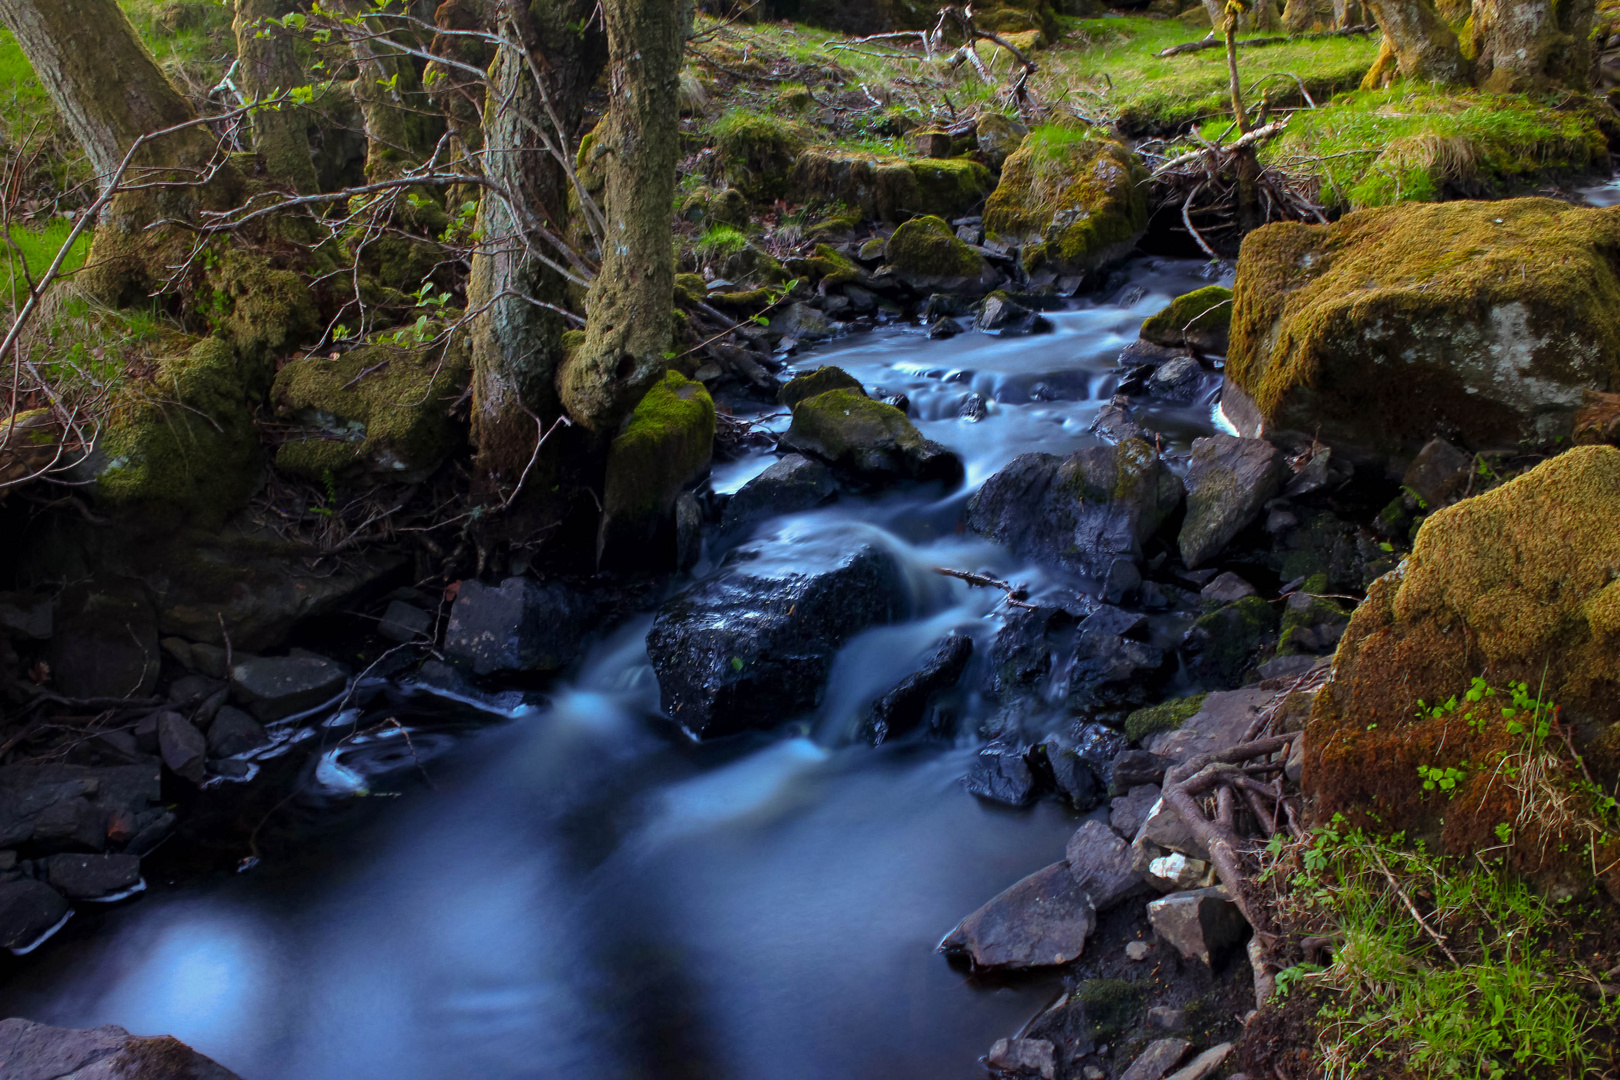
1530,44
268,64
629,331
110,91
400,129
1425,47
516,345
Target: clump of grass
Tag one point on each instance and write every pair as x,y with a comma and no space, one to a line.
718,241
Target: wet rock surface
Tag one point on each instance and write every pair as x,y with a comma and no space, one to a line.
1228,483
273,687
28,910
1041,921
519,626
903,707
33,1051
792,484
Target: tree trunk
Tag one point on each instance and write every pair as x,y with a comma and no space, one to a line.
400,129
269,65
630,303
1530,44
1423,44
517,346
110,91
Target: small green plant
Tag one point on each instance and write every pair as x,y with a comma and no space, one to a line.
327,506
1445,779
718,241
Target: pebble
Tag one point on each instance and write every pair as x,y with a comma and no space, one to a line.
1136,950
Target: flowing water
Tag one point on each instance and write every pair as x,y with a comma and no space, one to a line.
567,887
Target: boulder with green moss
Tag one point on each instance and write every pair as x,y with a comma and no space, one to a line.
868,441
1223,647
1484,320
1229,482
380,409
1312,622
819,381
1200,319
664,445
926,255
1157,719
755,151
1073,198
889,188
267,311
998,137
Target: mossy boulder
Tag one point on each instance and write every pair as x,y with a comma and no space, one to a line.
868,441
1074,199
380,409
1201,319
815,382
756,151
1481,321
1224,646
181,441
268,310
1311,622
665,444
889,188
1516,585
998,137
1157,719
927,255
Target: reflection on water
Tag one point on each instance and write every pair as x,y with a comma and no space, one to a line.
579,891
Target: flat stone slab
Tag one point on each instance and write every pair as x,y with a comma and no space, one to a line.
1041,921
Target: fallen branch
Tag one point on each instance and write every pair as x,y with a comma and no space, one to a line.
1015,593
1244,142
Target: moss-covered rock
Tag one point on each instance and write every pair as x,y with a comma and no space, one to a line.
665,444
998,137
1156,719
756,151
1311,622
888,188
928,256
266,312
1201,319
1074,199
869,441
815,382
1516,585
378,409
1225,644
1483,321
182,441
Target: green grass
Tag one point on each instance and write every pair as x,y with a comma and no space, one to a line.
33,250
719,241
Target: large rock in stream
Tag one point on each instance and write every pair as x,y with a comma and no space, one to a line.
30,1051
753,645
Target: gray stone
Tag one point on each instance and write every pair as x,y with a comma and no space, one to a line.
1115,423
793,484
1226,588
87,877
999,314
688,531
54,807
1101,863
1165,830
1175,872
1439,473
1287,667
1042,920
998,136
1228,484
1200,925
519,626
1159,1058
185,751
1127,812
1114,671
273,687
1294,767
404,623
902,708
1166,1018
1180,381
26,616
1219,724
28,908
233,732
1204,1064
30,1051
189,691
1137,951
1072,775
1023,1057
803,323
1135,768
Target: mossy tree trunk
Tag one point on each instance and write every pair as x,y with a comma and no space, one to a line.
400,129
1422,44
516,345
110,92
1531,44
269,65
628,335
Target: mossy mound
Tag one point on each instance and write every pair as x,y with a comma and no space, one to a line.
665,444
1157,719
1074,199
1516,585
890,188
268,311
181,441
378,409
928,255
1201,318
816,382
1482,321
756,151
867,440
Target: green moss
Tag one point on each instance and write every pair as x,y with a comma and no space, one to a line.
268,311
1201,317
1230,638
1481,318
868,439
1157,719
664,445
379,408
889,188
928,246
756,151
1111,1005
816,382
690,288
1075,201
1314,610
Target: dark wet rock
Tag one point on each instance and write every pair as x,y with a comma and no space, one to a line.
1226,588
1222,646
1134,768
1287,667
753,645
404,623
1002,774
1022,1058
185,751
819,381
26,616
33,1051
870,442
1021,655
276,686
28,909
904,706
190,691
688,531
522,625
1179,381
1071,776
1129,811
1098,745
1042,920
87,877
943,327
1228,484
150,835
1082,512
1140,353
973,408
51,808
1320,471
1113,670
792,484
801,322
1157,1060
1201,924
1115,423
1439,473
233,732
1122,582
1002,315
1101,862
105,642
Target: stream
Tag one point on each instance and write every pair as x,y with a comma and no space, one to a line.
569,887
